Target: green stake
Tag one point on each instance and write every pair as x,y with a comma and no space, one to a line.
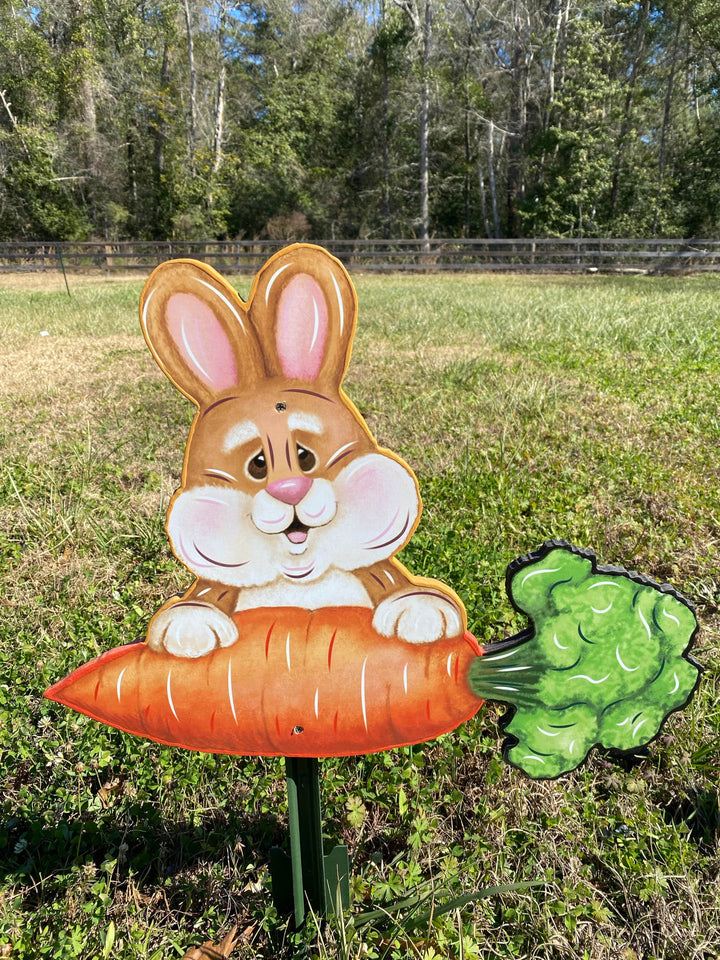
62,267
306,846
307,877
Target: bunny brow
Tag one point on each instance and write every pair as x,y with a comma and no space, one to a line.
239,434
310,393
305,421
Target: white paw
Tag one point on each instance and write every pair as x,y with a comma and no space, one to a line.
418,617
190,630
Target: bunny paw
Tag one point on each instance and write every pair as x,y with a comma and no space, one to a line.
190,630
418,617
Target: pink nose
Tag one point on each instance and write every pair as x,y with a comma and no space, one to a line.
291,490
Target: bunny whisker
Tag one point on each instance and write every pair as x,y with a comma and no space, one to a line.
218,563
398,536
384,532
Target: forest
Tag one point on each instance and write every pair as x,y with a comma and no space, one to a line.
317,119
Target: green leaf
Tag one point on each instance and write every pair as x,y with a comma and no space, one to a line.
414,920
109,939
422,919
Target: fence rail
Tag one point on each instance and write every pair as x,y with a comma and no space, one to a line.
245,256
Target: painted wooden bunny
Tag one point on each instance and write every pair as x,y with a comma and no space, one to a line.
286,499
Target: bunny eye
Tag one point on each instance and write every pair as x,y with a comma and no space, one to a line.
257,467
306,459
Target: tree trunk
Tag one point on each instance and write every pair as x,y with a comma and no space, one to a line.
468,157
385,119
518,129
421,19
219,119
219,113
192,145
472,11
14,124
132,175
483,200
626,125
424,130
665,128
85,81
491,175
557,51
159,138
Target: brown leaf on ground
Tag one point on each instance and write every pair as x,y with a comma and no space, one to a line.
213,951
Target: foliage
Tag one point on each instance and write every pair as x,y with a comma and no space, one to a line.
574,118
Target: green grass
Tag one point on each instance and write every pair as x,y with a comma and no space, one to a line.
530,408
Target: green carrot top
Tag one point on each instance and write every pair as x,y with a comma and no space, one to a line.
604,662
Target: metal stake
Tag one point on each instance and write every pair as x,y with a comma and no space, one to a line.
307,874
58,251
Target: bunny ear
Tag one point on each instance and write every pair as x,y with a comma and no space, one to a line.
197,328
303,308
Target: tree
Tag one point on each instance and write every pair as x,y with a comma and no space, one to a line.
393,117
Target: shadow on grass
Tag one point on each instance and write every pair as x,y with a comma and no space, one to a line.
139,843
699,812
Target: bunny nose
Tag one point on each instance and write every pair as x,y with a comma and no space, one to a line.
289,491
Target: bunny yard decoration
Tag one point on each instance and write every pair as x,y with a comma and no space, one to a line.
302,634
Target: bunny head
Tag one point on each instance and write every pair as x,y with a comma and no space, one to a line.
283,485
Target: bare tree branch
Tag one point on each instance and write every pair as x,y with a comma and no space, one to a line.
13,122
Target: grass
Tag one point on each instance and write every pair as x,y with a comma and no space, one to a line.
531,408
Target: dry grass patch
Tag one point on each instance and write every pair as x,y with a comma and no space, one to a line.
72,365
51,281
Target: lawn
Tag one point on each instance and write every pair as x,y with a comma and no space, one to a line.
530,408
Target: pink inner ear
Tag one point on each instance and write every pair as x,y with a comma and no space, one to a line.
302,328
202,341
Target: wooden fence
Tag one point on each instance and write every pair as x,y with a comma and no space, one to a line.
245,256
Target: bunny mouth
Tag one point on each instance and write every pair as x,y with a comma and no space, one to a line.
297,531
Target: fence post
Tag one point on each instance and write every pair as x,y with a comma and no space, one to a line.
62,267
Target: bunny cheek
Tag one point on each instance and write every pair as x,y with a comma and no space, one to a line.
206,527
318,507
269,514
378,505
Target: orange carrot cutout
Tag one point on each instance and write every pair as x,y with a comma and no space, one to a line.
296,683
